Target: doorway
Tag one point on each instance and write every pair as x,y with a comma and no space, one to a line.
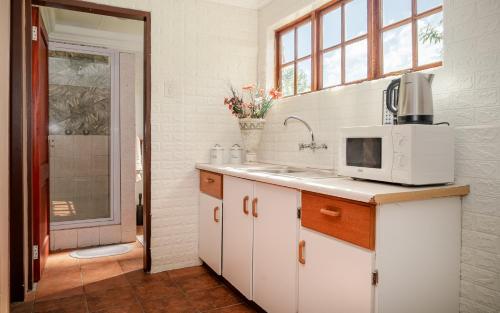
18,75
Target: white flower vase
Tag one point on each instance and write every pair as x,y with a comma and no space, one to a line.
251,133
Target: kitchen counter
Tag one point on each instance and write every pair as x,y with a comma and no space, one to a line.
343,187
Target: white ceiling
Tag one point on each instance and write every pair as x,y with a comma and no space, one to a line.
249,4
58,17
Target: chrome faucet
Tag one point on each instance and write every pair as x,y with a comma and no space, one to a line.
313,145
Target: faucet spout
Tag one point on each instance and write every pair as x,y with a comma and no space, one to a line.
301,120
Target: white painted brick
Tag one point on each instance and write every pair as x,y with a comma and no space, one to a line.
481,295
481,241
481,259
488,279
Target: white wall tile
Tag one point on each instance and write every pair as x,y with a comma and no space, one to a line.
110,234
65,239
88,237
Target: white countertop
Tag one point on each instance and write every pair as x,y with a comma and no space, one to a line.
364,191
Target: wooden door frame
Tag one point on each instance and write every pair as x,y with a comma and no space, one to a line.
20,91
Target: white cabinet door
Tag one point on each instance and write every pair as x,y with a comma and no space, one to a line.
210,236
238,234
275,248
336,276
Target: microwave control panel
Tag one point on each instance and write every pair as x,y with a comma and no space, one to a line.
387,116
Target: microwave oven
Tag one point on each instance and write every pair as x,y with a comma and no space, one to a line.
410,154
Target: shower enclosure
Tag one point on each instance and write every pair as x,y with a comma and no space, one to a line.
83,136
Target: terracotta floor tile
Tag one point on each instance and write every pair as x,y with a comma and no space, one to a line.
75,304
111,298
198,282
59,285
170,305
106,283
131,265
118,285
187,272
21,307
139,277
124,308
100,271
239,308
210,299
60,262
157,290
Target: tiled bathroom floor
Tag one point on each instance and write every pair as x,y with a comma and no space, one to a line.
118,285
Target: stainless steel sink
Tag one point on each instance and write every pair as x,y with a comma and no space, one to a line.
284,170
295,172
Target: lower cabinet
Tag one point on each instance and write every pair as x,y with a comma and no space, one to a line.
325,260
210,228
238,234
334,276
275,248
259,242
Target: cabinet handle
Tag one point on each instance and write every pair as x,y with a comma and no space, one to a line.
216,210
209,180
302,244
330,212
245,205
254,208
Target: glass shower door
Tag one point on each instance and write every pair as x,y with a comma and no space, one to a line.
83,137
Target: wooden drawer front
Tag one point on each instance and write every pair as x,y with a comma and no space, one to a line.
211,184
347,220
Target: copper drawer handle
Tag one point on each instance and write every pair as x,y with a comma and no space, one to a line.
330,212
254,208
209,180
216,210
245,205
302,244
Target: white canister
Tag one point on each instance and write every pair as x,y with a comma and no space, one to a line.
217,155
235,157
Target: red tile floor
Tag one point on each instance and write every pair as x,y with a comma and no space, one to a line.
118,285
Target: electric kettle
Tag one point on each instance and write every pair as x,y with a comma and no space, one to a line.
410,98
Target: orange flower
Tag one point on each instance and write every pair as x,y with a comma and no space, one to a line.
275,93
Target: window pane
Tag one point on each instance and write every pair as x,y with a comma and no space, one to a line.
304,76
304,40
430,39
332,28
332,68
356,61
287,47
397,45
425,5
287,79
356,15
395,11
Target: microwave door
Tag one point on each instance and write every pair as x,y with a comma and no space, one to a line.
368,157
364,152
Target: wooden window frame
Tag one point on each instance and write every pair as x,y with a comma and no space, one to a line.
413,20
373,36
293,27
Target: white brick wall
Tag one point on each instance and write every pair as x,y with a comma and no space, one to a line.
198,48
467,93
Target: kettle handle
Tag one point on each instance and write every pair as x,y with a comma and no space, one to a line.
392,95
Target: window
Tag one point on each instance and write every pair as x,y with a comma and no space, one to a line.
348,41
344,43
411,34
295,59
